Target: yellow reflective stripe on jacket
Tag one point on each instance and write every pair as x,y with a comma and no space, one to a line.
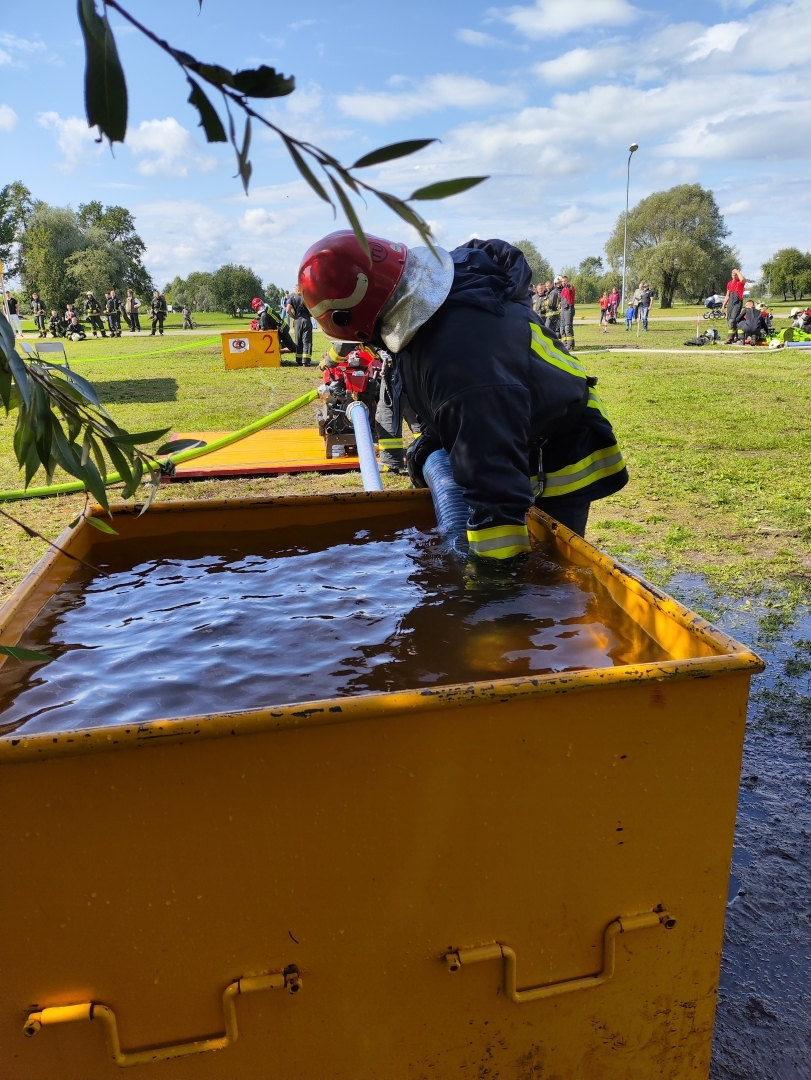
546,350
500,542
584,472
335,356
390,444
535,484
595,402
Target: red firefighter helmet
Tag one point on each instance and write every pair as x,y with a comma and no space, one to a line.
256,303
343,290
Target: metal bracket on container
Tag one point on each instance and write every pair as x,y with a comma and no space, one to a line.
496,951
67,1014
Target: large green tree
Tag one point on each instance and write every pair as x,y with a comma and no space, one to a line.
541,268
789,271
233,287
676,242
117,225
16,205
99,266
51,236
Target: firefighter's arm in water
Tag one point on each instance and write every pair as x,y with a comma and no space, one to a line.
486,433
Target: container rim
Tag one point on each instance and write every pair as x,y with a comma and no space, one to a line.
730,657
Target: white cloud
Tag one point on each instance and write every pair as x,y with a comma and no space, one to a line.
433,94
5,58
569,216
737,207
73,137
167,149
553,18
723,37
8,118
581,64
480,40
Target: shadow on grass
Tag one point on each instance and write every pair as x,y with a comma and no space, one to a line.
141,391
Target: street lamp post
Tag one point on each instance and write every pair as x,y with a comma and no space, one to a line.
633,148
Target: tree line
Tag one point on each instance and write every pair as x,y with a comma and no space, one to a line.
63,253
229,289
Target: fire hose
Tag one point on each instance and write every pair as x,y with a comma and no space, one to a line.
359,418
449,504
176,459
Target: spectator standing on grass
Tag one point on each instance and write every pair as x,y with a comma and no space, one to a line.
642,302
38,311
92,311
604,302
159,309
733,302
114,313
551,308
567,312
131,306
303,326
630,315
187,324
613,305
13,314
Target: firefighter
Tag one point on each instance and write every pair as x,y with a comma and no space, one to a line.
550,309
159,311
266,320
567,298
516,413
56,324
38,311
92,311
303,326
113,306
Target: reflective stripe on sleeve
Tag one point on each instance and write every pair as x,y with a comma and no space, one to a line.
595,402
500,542
535,484
390,444
334,356
584,472
543,347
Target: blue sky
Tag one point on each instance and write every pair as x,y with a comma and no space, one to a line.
544,96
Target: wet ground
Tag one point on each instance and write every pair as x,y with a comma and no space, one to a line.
763,1025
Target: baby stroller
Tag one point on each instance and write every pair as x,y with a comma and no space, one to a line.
714,303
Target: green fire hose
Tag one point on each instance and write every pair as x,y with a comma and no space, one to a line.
177,459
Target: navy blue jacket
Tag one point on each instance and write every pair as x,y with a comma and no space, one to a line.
508,402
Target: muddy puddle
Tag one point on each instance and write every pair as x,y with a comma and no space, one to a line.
202,626
763,1023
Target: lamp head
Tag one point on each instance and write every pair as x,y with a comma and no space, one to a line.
633,147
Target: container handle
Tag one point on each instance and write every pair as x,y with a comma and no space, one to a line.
289,979
496,951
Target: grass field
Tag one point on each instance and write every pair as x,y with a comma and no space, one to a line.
717,443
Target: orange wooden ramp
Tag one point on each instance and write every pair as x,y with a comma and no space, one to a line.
264,454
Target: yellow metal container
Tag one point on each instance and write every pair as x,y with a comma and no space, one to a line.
251,348
518,878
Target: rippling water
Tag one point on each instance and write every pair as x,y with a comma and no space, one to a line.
197,624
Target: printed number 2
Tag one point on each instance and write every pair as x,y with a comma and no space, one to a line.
269,339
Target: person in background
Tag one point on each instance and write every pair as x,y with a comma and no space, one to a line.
113,313
751,324
285,313
75,330
159,311
604,308
551,308
38,311
642,300
56,324
303,326
733,302
613,304
630,315
92,311
567,312
187,324
131,306
13,314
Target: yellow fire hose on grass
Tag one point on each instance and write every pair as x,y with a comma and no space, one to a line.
185,455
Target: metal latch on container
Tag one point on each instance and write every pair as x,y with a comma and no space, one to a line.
289,979
496,951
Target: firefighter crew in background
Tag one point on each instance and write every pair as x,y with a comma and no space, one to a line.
92,312
516,413
159,311
550,308
567,298
303,326
113,306
266,320
38,311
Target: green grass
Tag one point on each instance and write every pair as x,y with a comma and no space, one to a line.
717,446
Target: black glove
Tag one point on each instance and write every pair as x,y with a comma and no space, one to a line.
417,454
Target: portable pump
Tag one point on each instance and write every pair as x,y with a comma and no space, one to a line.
355,377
